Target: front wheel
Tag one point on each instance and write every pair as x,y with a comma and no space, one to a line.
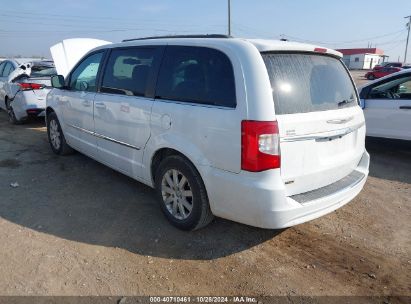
371,77
182,194
56,137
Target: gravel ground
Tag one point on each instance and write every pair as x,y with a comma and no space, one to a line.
75,227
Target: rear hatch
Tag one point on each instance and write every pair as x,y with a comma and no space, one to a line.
321,126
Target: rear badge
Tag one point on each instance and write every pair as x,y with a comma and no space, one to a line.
290,132
289,182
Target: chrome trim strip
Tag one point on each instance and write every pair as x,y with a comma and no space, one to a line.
81,129
116,141
324,136
104,137
340,121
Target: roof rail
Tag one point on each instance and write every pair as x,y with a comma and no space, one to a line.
180,36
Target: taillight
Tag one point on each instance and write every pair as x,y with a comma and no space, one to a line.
25,86
260,145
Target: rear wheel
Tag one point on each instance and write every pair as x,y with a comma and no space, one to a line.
12,116
56,137
182,194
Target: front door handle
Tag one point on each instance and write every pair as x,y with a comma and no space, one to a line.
100,105
405,108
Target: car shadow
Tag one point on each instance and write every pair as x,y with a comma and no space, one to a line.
390,159
78,199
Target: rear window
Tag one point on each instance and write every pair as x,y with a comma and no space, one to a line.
42,70
304,83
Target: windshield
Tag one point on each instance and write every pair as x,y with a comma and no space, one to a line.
42,70
304,83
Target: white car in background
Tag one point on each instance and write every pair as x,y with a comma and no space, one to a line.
24,84
387,106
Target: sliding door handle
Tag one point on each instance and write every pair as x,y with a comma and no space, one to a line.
405,108
100,105
86,103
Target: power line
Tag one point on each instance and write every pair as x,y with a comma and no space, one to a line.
344,42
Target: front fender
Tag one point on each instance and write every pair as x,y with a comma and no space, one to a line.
53,104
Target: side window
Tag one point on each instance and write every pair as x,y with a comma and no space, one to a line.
399,88
197,75
84,77
2,65
127,71
8,69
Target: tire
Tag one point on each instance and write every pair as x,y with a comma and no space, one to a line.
371,77
12,117
56,137
175,199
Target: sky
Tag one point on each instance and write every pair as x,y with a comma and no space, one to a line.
30,27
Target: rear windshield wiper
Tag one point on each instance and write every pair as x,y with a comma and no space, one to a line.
345,101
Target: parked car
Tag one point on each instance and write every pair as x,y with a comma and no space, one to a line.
388,65
265,133
387,106
381,73
24,86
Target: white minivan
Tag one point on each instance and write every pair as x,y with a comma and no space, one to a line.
261,132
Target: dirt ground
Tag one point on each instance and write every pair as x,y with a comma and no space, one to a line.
76,227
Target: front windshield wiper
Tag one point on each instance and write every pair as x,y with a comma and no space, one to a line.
345,101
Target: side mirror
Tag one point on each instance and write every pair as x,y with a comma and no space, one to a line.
83,86
57,81
402,89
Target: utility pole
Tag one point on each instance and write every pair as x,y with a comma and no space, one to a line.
229,17
408,37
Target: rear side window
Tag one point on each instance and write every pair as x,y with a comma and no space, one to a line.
197,75
304,83
2,65
8,69
127,71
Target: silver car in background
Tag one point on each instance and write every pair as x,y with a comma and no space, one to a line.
24,84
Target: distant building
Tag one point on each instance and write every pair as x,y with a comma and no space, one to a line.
362,59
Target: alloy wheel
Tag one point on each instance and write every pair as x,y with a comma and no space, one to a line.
177,194
55,136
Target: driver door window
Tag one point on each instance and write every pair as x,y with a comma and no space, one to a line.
84,77
399,88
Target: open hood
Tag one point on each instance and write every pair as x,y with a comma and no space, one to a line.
68,52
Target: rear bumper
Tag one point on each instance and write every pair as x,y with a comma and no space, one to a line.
26,104
262,202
